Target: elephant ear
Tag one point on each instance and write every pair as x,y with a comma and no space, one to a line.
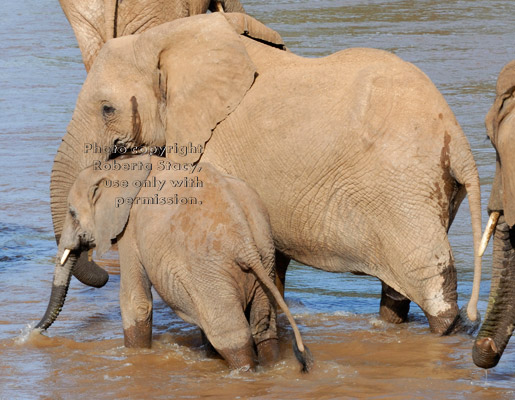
504,89
248,26
110,213
204,71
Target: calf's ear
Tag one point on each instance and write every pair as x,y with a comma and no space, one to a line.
111,203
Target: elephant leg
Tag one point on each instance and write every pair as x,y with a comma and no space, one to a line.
263,326
135,302
440,300
394,306
210,350
230,335
241,358
430,280
281,265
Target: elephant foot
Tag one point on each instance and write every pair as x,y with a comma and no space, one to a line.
241,359
268,352
394,306
485,353
138,335
453,322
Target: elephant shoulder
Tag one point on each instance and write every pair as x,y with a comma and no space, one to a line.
365,57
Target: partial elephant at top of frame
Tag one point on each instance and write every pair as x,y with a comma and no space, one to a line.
94,22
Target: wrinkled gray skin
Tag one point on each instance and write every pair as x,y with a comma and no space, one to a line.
499,322
96,21
212,261
358,158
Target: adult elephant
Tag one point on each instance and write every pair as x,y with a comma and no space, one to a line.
357,156
500,317
96,21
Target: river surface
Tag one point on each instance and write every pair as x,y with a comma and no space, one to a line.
461,45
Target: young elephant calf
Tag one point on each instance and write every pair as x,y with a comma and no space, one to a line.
201,238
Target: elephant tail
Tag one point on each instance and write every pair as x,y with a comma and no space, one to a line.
302,352
463,168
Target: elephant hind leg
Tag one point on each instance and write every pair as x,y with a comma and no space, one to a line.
430,280
209,348
230,335
440,300
281,265
263,325
441,323
394,306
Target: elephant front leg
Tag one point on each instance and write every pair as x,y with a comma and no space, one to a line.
135,305
394,306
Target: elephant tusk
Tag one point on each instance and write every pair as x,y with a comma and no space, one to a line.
65,256
219,7
489,230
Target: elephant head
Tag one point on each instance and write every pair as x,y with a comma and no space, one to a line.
96,21
500,319
176,81
92,223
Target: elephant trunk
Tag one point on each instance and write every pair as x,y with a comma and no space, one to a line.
68,162
500,316
62,275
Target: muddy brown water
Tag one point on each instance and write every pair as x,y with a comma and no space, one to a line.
461,45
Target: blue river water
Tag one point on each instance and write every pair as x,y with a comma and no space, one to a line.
460,45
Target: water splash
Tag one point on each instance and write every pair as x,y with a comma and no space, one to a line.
240,373
26,332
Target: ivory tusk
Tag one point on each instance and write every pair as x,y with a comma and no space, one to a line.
489,230
65,256
219,7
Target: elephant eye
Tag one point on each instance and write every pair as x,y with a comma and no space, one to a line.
73,213
107,110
